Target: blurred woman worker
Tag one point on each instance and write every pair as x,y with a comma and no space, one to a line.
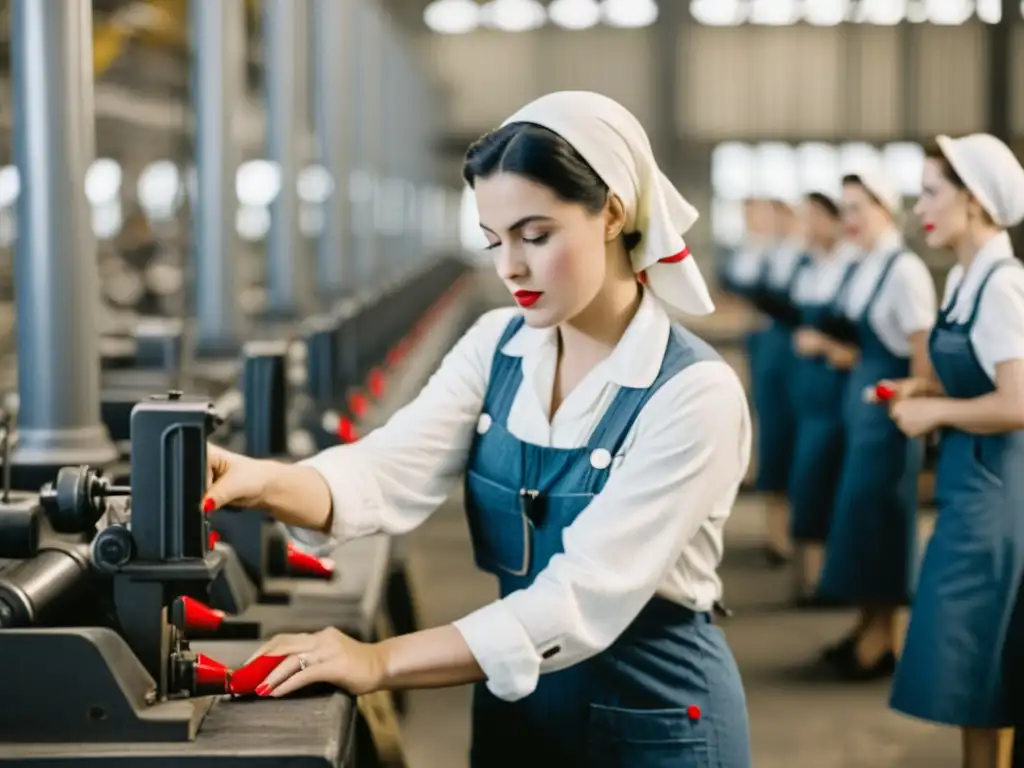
602,446
743,270
951,670
888,309
761,273
818,390
772,376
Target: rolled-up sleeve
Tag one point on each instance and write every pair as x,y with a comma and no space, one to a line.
687,457
395,477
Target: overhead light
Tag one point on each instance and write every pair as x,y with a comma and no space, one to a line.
257,182
774,13
103,181
574,14
881,12
629,13
826,13
10,185
949,12
514,15
159,188
452,17
990,11
718,13
917,13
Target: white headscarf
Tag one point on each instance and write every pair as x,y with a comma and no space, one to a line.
616,146
991,172
877,182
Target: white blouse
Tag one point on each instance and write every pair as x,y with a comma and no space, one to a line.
998,332
906,304
745,265
819,282
783,261
656,528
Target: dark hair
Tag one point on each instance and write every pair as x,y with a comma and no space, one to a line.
934,152
542,156
853,178
824,202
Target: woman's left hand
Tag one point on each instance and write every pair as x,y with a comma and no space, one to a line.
917,416
327,656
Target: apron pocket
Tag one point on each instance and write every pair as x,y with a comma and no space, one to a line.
644,738
500,531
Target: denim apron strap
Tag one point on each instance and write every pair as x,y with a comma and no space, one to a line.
682,349
506,376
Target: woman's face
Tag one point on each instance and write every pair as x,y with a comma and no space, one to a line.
944,210
549,253
863,219
823,229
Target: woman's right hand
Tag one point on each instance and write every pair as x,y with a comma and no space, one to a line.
904,389
233,480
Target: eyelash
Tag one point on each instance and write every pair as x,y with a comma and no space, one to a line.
540,240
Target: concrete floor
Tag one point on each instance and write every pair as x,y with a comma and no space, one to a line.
796,721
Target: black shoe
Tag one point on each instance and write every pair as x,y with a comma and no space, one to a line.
839,653
853,671
775,558
816,601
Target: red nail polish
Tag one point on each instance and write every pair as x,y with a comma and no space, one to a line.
305,564
262,689
209,505
199,616
247,679
884,392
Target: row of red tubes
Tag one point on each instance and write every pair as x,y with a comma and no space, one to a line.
198,616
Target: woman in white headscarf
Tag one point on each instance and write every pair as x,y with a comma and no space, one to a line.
602,445
951,671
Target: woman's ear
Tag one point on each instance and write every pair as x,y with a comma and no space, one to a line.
614,218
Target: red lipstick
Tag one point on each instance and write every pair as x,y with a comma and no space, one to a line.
527,298
929,227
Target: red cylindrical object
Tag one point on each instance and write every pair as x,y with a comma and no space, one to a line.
214,538
305,564
211,673
245,680
884,392
199,616
357,404
347,432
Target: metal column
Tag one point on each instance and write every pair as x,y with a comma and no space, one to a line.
332,37
665,75
218,82
999,120
286,81
56,273
366,134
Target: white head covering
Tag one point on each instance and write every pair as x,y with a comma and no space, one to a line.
877,182
616,146
991,172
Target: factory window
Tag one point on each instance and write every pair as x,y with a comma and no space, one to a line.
786,172
832,12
